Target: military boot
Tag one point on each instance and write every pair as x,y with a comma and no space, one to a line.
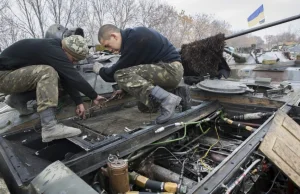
52,130
168,103
19,102
184,93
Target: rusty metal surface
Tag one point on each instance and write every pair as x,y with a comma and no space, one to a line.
117,170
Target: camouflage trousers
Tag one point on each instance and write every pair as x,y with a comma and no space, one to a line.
139,80
42,78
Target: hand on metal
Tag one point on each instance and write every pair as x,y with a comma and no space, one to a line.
100,101
97,66
80,111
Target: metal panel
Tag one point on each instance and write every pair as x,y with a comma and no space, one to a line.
282,145
57,178
222,86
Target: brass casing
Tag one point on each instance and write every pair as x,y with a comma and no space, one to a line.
118,176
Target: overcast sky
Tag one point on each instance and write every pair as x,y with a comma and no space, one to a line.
236,12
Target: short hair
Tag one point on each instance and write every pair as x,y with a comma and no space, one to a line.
105,30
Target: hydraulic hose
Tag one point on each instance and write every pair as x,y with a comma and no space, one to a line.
165,175
254,125
145,182
96,184
239,125
251,116
235,183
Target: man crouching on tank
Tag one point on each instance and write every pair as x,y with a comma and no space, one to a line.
32,68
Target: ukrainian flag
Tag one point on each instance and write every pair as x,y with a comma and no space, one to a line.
257,17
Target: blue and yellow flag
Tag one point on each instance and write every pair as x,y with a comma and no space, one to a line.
257,17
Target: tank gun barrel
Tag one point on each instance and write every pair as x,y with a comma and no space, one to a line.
233,54
263,27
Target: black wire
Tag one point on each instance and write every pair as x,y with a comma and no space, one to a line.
244,185
144,160
182,171
273,183
161,148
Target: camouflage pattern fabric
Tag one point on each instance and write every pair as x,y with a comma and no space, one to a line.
139,80
42,78
76,46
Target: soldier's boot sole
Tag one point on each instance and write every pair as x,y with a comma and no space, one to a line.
58,131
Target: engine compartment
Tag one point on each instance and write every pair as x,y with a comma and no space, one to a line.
210,148
187,157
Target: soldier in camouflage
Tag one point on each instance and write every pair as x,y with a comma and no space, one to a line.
165,75
148,68
22,85
33,67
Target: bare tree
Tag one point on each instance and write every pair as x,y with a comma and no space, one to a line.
70,8
282,38
25,19
77,14
3,5
10,34
219,26
9,30
184,28
100,8
38,6
90,23
122,12
286,37
146,12
56,9
5,25
33,16
67,12
165,20
202,24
